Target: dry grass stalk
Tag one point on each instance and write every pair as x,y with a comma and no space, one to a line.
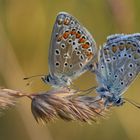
55,104
7,98
48,106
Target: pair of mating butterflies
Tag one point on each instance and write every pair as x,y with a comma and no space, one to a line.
73,51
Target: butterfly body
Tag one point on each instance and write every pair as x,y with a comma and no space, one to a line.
118,66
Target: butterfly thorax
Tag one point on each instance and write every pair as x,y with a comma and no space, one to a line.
109,97
55,81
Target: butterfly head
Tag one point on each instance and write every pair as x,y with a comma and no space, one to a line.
109,97
48,79
55,81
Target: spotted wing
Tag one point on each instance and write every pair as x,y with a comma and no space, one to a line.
72,47
119,62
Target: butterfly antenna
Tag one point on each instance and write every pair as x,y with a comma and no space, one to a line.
30,77
26,78
133,103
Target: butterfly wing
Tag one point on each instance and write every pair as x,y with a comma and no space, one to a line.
72,47
119,62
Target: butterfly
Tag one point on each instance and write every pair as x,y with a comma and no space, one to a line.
118,66
72,49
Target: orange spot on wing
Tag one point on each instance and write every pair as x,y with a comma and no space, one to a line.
85,46
73,32
78,35
81,40
66,34
89,55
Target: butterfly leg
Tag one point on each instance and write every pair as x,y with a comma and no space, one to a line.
83,92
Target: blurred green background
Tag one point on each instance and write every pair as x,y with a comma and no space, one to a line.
25,31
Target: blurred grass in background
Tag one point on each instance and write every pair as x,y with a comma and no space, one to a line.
25,31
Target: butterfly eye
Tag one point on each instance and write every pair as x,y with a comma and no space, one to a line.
116,76
119,102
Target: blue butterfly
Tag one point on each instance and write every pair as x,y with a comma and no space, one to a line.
72,49
118,66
